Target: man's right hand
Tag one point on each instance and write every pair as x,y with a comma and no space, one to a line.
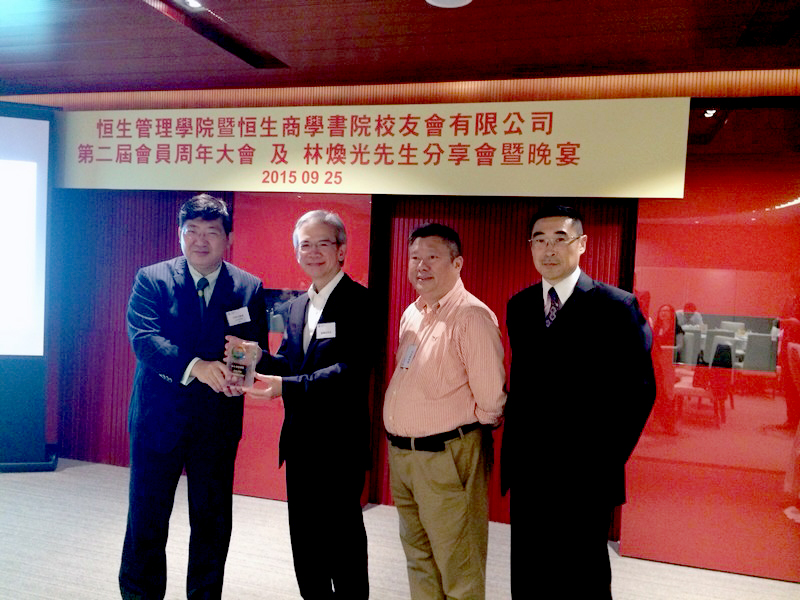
213,373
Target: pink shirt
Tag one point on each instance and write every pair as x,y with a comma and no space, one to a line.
449,367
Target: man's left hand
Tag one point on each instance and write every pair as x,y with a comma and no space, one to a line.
274,387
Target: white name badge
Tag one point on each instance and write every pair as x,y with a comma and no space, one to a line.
408,356
326,331
238,316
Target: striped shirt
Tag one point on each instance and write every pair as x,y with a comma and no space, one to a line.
449,367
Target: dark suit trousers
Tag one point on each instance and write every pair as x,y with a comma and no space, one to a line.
209,462
329,542
571,542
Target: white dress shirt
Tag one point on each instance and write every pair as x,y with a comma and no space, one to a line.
316,304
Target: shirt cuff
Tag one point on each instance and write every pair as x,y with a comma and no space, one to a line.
187,374
487,418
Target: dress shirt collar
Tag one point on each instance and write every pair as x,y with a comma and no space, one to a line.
211,277
564,288
443,301
320,298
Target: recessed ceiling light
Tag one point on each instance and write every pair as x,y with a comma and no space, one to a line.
448,3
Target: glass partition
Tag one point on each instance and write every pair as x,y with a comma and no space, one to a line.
714,480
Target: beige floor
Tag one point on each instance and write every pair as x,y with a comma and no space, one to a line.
61,534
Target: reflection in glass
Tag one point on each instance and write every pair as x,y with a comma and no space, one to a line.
715,479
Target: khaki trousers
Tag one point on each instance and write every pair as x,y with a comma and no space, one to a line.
441,500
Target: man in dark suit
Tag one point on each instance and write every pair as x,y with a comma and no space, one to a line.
581,390
322,371
182,412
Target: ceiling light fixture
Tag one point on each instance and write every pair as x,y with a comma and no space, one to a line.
448,3
794,202
710,113
217,31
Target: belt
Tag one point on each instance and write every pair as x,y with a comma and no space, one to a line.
430,443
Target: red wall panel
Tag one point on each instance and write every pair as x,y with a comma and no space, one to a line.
263,224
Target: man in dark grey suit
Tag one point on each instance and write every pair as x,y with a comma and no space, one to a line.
183,412
581,389
322,371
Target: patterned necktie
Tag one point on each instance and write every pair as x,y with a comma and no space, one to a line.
202,284
555,304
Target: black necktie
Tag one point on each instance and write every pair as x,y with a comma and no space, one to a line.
555,304
202,284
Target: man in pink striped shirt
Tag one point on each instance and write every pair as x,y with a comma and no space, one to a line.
448,384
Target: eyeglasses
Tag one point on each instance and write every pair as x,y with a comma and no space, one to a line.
322,246
209,234
560,241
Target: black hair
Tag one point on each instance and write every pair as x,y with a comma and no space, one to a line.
557,210
208,208
448,235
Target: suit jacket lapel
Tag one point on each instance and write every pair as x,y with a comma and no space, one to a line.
572,311
222,290
180,273
585,283
583,287
185,291
297,323
332,305
328,313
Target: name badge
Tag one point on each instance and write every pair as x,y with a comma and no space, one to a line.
408,356
238,316
326,331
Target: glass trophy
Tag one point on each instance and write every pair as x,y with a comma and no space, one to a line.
241,363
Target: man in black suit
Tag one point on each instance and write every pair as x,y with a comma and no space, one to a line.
322,371
581,390
183,413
